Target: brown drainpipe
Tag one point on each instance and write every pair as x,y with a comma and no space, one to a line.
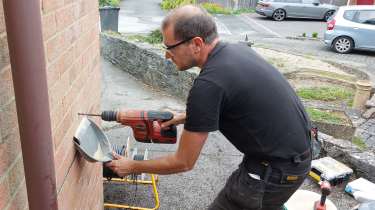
25,41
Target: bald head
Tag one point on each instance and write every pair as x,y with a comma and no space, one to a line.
191,21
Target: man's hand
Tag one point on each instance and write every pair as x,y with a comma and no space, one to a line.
176,120
189,148
120,165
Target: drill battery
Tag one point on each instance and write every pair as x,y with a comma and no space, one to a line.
330,170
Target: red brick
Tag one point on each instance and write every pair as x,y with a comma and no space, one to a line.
9,150
50,5
62,129
4,53
84,24
84,7
2,21
70,98
16,175
4,193
54,72
57,113
8,119
68,58
55,46
19,201
6,86
63,160
68,1
68,195
59,89
64,17
74,71
49,25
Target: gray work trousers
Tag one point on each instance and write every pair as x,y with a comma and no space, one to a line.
243,192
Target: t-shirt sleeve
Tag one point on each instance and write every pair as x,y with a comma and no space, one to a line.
203,107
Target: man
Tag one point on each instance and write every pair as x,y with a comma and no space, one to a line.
245,98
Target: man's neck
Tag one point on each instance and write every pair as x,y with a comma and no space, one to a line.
207,50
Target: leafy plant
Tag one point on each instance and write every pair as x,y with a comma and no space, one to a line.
315,35
325,93
359,142
171,4
303,34
325,116
111,3
216,8
243,10
155,37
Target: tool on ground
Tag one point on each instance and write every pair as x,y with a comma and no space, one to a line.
330,170
146,125
362,190
325,187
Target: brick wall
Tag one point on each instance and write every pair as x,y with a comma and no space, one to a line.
71,40
12,182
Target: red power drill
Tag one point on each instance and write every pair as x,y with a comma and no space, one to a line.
326,190
146,125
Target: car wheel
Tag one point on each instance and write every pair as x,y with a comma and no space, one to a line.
328,14
279,15
343,44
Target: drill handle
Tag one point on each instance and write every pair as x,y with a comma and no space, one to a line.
159,115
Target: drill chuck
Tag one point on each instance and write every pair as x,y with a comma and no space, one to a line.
109,115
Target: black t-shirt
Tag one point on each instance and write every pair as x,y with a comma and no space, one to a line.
250,102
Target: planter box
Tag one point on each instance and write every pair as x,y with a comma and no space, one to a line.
109,18
338,131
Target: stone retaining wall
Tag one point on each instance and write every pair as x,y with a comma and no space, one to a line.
147,63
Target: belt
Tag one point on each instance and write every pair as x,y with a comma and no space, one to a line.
280,160
264,167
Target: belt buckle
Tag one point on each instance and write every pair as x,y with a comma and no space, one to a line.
265,163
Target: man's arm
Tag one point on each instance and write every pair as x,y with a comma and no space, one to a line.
189,148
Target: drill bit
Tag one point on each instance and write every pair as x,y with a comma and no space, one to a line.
97,115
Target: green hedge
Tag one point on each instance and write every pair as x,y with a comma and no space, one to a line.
112,3
171,4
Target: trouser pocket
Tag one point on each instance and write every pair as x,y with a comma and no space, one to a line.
244,191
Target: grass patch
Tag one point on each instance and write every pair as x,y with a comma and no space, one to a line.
216,9
358,141
243,10
155,37
326,93
329,74
325,116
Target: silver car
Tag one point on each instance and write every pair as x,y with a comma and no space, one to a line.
351,27
281,9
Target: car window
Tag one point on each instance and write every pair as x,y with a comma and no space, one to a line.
293,1
349,15
366,17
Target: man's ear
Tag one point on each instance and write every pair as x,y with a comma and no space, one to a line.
198,44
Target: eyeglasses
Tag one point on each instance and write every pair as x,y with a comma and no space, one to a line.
169,47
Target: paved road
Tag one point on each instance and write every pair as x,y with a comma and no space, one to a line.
287,28
136,17
140,17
